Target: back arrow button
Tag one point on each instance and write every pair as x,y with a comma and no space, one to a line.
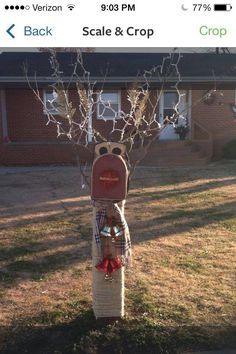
9,31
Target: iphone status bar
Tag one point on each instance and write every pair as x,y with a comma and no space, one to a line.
128,24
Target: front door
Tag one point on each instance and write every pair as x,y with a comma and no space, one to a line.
172,102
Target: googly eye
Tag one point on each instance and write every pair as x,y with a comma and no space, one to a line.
116,151
103,150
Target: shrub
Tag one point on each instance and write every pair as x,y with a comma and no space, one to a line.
182,131
229,150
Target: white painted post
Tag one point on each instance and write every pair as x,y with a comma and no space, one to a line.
108,297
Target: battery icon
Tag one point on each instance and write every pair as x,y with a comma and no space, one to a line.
222,7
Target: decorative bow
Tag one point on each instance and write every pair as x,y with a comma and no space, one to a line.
108,266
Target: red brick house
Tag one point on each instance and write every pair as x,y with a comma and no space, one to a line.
25,139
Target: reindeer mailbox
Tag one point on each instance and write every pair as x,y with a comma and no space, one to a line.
109,185
109,179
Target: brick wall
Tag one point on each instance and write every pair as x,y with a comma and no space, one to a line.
1,135
32,142
1,129
26,121
23,154
217,118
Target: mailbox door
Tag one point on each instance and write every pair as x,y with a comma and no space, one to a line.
109,178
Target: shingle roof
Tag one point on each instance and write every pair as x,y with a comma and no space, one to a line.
118,65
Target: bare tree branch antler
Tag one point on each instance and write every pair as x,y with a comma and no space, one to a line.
137,127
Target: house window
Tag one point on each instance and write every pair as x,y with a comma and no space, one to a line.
170,101
233,106
108,105
50,102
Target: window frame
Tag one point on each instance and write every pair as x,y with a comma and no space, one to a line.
99,117
165,107
54,111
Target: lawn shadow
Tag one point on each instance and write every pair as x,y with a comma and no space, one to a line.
160,194
178,220
36,256
181,220
50,195
86,335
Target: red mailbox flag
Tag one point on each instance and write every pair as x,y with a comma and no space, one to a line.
109,179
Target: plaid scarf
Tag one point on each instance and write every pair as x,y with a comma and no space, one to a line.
122,243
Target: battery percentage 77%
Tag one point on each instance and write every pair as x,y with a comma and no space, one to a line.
202,7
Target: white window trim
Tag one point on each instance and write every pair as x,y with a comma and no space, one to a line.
119,106
189,108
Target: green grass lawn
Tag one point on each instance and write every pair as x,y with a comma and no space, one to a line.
180,292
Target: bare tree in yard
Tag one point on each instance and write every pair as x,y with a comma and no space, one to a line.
133,132
137,128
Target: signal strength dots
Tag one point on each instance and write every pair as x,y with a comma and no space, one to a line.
17,7
71,7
